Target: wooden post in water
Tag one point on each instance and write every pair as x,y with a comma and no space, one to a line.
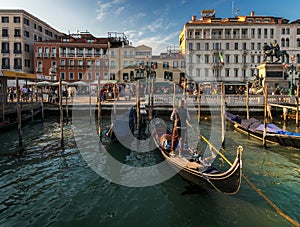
32,107
42,103
90,100
247,100
67,110
150,95
138,106
199,102
223,113
297,111
61,113
265,89
99,108
19,114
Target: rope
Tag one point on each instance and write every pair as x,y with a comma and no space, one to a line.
279,211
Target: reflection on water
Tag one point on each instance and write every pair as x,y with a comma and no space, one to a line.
53,186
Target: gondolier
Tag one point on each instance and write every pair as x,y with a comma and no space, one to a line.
179,116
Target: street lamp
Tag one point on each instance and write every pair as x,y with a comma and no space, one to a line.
293,70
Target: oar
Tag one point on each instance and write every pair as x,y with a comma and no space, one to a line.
279,211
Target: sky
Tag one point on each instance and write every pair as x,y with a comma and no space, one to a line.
155,23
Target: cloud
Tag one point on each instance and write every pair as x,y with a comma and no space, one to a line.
158,43
109,7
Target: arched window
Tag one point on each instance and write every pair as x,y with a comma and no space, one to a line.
282,42
298,42
287,42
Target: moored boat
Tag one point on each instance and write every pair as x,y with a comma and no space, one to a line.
255,128
198,171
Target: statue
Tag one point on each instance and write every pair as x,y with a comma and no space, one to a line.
273,50
257,85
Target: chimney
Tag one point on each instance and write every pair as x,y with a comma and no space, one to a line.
252,13
194,18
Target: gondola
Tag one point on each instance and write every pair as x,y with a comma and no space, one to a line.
255,128
199,171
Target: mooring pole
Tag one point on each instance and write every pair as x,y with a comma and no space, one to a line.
61,113
99,108
265,114
247,100
223,113
67,95
199,102
297,111
19,114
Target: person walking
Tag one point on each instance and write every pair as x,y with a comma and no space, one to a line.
179,116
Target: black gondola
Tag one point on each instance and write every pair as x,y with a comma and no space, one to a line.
255,128
197,171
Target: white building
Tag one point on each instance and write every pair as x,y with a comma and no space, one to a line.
239,40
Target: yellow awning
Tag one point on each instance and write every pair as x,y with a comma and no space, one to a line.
13,74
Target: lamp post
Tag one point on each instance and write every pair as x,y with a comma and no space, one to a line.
293,70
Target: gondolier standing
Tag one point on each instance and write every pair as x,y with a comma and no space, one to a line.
179,116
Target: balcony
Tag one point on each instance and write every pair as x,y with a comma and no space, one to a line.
39,69
46,55
4,51
52,70
38,55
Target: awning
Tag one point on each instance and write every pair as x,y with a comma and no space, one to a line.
13,74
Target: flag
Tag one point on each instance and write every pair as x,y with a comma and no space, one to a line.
221,58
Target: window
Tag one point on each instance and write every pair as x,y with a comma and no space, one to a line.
258,46
252,46
80,76
259,33
206,59
190,46
40,29
252,33
17,63
26,33
226,72
62,62
125,64
5,48
4,32
80,63
227,58
5,63
62,75
125,53
26,48
206,46
89,63
227,46
244,46
165,65
112,53
17,48
5,20
71,62
71,75
89,76
17,20
182,64
283,31
236,59
17,32
236,46
236,72
175,64
197,46
27,63
26,21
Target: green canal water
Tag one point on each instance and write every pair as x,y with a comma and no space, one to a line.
53,186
